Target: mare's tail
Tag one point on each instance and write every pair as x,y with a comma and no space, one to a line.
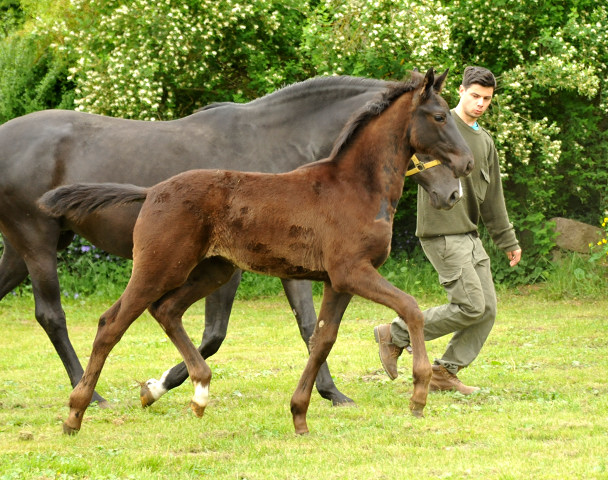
77,201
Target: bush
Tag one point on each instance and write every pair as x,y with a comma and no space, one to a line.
85,270
32,79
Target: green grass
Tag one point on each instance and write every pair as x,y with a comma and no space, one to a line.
542,412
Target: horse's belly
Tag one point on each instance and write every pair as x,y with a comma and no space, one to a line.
277,262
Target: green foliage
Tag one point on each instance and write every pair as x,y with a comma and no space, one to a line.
577,276
84,271
11,16
377,39
537,239
32,79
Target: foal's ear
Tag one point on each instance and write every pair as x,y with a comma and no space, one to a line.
427,85
439,81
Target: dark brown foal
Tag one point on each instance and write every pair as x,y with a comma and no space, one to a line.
329,221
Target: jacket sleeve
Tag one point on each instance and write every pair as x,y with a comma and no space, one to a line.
494,211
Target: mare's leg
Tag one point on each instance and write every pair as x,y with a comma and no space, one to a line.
12,270
321,343
365,281
38,246
299,294
168,311
218,306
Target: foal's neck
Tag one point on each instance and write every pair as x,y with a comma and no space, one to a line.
380,153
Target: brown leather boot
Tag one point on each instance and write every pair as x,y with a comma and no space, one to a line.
389,352
443,380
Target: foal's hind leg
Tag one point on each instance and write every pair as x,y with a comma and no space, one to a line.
326,331
112,325
168,311
218,305
299,294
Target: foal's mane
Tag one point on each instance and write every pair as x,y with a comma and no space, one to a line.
372,109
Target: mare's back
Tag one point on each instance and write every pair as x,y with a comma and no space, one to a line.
275,133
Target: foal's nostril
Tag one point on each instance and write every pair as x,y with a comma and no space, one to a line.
456,195
469,168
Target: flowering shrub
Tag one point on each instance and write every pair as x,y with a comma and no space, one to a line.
381,38
153,60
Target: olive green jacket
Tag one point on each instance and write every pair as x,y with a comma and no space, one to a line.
482,199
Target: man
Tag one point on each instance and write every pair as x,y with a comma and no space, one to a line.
450,240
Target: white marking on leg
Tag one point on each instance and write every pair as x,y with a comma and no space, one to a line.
157,387
201,394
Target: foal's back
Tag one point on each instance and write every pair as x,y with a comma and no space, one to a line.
254,220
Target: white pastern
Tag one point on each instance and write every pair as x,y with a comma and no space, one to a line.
157,387
201,394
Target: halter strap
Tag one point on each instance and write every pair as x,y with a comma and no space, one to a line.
420,166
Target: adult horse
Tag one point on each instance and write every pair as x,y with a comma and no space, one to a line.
194,229
41,151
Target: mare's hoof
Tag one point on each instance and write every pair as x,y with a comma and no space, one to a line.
69,430
103,404
197,409
417,409
145,395
343,402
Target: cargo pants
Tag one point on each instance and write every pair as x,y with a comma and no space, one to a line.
464,272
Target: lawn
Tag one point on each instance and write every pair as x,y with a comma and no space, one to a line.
542,412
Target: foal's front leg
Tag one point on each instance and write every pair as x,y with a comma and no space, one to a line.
326,331
366,282
299,294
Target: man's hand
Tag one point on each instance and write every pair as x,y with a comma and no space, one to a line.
514,257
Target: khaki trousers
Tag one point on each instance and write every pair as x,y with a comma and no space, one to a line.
464,272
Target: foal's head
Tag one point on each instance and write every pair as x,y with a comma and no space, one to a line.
433,131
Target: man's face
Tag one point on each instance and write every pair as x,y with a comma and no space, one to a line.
475,100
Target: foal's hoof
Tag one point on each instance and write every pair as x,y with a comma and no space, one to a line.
417,409
67,430
145,395
197,409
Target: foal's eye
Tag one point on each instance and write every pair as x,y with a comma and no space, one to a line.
439,117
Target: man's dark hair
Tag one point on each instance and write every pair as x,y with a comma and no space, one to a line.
479,75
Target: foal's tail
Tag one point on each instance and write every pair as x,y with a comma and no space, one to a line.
77,201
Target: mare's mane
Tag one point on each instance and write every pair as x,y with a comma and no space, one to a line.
371,109
303,89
